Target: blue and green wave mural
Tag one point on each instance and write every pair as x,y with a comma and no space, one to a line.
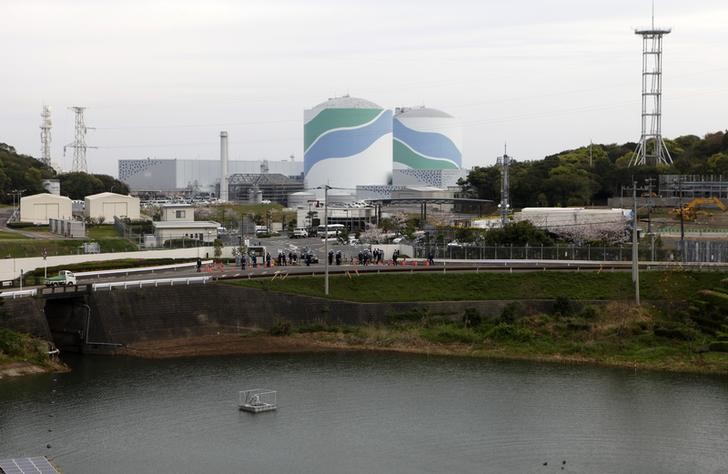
424,150
341,133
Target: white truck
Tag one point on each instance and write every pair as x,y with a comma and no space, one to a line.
64,278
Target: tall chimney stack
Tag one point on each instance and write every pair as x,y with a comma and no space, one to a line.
223,166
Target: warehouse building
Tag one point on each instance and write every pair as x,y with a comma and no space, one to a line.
38,208
105,206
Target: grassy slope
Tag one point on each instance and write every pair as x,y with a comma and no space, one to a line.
674,285
616,334
22,246
17,347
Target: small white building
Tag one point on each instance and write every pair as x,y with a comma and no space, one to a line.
107,205
178,212
205,231
38,208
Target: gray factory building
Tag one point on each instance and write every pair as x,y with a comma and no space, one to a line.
195,176
256,187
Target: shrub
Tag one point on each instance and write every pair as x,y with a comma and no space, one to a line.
416,314
504,332
577,324
471,317
719,346
281,328
589,312
675,330
510,312
451,334
563,306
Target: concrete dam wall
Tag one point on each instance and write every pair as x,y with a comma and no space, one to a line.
181,311
102,320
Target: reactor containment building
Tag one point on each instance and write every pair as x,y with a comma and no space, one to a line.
347,142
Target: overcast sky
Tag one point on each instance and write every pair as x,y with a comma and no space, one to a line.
162,78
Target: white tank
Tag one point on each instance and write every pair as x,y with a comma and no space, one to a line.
426,139
347,142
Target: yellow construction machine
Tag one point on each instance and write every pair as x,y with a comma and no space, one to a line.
691,210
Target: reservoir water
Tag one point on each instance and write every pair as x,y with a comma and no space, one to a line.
365,413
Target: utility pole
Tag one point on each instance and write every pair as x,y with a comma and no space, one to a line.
635,247
326,188
682,219
591,154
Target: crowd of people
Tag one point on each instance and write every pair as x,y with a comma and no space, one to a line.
365,257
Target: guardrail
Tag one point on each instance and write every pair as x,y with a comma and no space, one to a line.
19,293
142,283
127,271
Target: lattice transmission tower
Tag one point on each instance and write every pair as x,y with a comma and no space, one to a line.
504,208
79,143
45,135
651,149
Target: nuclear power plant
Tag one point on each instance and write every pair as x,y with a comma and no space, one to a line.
347,142
355,145
351,144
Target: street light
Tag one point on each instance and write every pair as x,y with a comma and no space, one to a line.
326,188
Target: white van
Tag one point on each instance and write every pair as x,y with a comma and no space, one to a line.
300,233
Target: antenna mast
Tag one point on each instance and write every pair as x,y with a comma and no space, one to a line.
504,207
651,149
79,143
45,135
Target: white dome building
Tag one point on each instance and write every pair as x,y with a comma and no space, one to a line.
347,142
426,139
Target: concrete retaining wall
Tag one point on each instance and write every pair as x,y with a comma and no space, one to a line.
25,315
160,313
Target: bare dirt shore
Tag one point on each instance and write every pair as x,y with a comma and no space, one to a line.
16,369
263,343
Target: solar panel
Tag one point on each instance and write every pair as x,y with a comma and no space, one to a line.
36,465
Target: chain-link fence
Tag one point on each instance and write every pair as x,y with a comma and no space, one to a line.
623,253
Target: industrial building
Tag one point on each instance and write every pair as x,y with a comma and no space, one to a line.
38,208
426,139
106,206
256,187
347,141
427,147
192,177
178,223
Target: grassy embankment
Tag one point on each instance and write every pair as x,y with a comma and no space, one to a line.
617,333
21,353
18,245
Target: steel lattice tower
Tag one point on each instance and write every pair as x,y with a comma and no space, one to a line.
651,149
79,143
504,207
45,135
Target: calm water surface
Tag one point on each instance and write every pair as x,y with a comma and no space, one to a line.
368,413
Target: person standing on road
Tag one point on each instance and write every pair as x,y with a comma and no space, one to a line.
243,261
199,264
430,258
267,259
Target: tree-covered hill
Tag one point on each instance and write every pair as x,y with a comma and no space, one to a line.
19,172
568,178
23,172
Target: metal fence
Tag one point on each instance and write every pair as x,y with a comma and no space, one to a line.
556,252
704,250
